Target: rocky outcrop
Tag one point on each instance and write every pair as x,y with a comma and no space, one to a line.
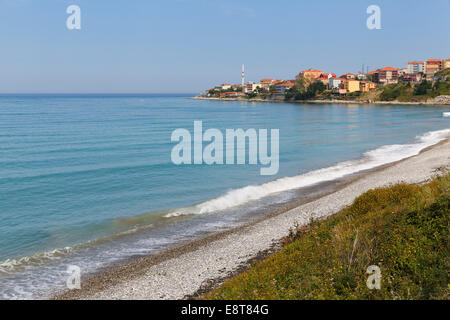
442,99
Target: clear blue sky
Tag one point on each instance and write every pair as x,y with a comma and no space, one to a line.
160,46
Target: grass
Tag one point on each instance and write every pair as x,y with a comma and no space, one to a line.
403,229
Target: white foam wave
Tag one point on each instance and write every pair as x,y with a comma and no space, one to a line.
371,159
10,265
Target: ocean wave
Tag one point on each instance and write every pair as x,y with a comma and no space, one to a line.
371,159
12,265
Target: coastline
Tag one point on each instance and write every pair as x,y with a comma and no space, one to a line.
196,267
329,101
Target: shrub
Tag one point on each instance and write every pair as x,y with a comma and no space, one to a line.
403,229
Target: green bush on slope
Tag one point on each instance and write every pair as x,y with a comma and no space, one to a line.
403,229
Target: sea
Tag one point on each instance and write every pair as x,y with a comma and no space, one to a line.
87,180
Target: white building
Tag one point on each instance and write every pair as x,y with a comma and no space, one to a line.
334,83
415,67
251,86
226,86
281,88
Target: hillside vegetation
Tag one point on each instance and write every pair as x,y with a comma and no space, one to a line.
403,229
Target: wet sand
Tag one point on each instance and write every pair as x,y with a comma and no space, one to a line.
195,267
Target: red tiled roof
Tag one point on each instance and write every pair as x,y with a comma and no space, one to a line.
284,84
388,69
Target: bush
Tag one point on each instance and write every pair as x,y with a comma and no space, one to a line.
403,229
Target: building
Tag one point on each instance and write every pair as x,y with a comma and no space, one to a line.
351,85
386,75
430,70
310,73
447,63
402,71
268,82
225,86
436,62
324,78
349,76
366,86
362,76
251,86
310,76
409,77
231,94
281,88
334,84
415,67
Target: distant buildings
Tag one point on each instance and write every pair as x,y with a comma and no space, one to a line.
267,83
414,72
312,75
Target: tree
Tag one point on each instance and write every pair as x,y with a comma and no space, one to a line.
421,88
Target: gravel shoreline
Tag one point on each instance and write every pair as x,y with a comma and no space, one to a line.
204,265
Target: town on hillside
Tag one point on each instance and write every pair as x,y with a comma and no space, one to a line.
416,81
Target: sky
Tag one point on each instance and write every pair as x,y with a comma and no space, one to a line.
187,46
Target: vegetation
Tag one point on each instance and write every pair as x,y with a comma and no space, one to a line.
421,91
303,91
403,229
444,73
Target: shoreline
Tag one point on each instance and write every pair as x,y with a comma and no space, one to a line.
329,101
193,268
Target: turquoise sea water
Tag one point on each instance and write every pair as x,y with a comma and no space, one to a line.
88,179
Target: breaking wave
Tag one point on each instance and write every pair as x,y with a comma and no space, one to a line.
371,159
